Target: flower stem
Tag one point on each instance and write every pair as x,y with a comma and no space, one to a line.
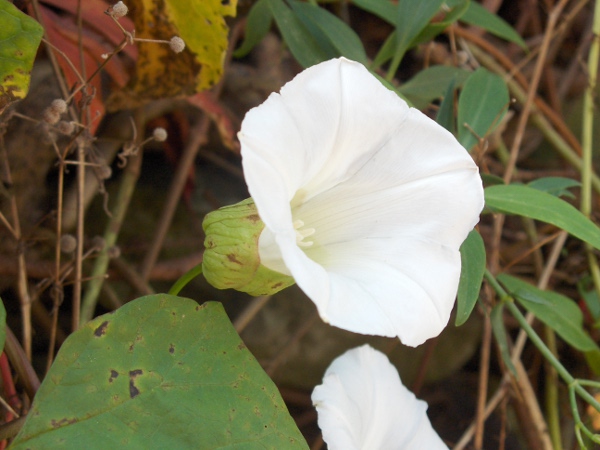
185,279
587,132
575,386
587,138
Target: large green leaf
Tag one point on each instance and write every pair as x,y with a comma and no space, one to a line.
300,41
535,204
160,372
431,83
557,311
472,256
20,37
338,34
481,106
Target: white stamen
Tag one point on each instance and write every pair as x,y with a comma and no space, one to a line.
302,233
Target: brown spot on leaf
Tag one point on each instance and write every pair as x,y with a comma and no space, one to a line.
133,390
225,2
241,346
62,422
101,330
171,349
113,374
253,218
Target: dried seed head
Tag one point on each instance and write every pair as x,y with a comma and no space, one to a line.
50,116
176,44
159,134
104,172
98,242
114,252
65,127
119,10
59,106
68,243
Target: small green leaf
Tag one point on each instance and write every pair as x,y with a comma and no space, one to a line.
481,106
160,372
557,186
593,361
500,334
446,115
20,37
455,12
301,42
588,293
491,179
529,202
479,16
258,24
383,9
431,83
386,51
345,41
472,256
411,18
557,311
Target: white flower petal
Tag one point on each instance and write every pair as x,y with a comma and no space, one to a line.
383,195
315,132
362,404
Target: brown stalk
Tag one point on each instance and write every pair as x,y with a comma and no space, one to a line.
22,280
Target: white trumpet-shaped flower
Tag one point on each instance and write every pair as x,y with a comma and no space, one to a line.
365,201
362,404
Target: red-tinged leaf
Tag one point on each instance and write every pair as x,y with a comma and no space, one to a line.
71,50
95,47
92,14
219,115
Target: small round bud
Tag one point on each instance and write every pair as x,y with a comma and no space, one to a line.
65,127
159,134
50,116
68,243
176,44
231,258
113,252
98,242
119,10
59,106
104,172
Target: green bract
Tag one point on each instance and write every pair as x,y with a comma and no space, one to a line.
231,259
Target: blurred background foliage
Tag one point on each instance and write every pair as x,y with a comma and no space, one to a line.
508,78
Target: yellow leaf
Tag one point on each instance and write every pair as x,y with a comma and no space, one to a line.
162,73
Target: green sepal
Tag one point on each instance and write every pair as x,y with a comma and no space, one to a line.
231,259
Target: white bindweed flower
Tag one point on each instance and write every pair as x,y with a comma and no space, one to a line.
362,404
365,201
